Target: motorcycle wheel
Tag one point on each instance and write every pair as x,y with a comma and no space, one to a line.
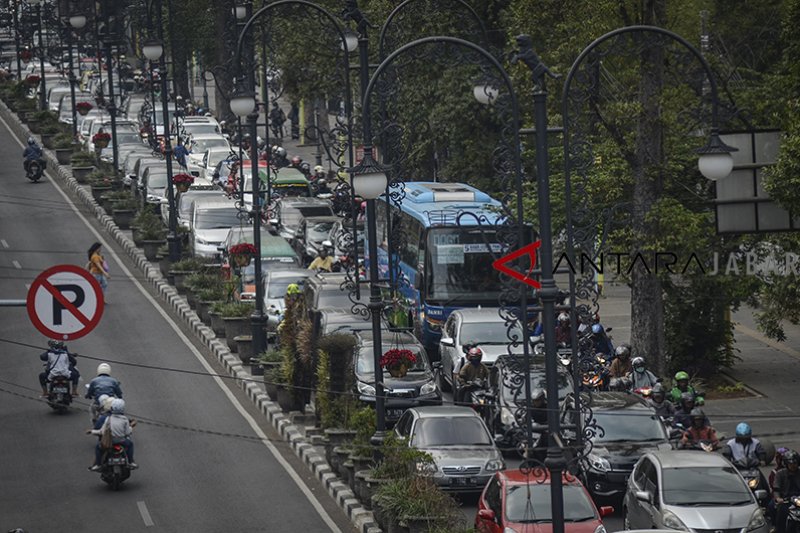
116,480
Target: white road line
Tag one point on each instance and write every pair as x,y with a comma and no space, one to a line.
4,243
16,265
145,514
168,319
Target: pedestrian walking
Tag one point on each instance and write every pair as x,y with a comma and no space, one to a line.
276,119
97,266
294,118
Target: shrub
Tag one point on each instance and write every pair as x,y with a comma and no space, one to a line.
419,497
236,310
399,460
82,159
62,140
363,421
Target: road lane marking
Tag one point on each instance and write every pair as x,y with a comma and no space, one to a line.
148,521
780,346
16,264
4,243
315,503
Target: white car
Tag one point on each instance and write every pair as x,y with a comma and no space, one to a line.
203,143
211,222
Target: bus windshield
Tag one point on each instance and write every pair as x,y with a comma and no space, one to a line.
459,265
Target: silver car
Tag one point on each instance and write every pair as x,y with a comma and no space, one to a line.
690,491
456,437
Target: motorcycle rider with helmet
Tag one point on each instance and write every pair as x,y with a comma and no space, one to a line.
472,372
642,378
658,400
102,384
681,386
787,486
699,432
744,446
621,365
563,330
683,414
59,362
121,430
319,173
32,152
602,344
323,261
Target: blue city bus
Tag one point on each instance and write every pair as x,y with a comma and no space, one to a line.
444,256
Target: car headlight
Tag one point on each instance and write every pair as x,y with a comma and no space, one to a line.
507,418
198,240
427,467
494,465
365,389
600,464
756,521
753,483
671,521
153,198
600,529
428,388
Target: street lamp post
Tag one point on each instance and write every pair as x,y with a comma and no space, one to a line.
153,50
16,39
43,87
112,105
76,22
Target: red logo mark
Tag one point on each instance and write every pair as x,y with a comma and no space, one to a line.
530,251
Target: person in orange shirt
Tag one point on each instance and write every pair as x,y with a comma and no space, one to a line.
97,266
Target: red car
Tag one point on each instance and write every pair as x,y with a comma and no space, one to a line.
519,501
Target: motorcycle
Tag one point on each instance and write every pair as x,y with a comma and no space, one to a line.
748,468
35,169
793,518
58,395
115,468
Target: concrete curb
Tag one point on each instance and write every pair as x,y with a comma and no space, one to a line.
361,518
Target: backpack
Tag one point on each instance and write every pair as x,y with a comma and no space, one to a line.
59,367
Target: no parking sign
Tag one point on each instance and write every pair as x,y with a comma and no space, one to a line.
65,302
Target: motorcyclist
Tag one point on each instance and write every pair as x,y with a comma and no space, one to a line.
103,384
779,465
699,432
602,344
642,378
323,261
658,400
621,365
32,152
683,413
121,430
787,485
59,363
539,407
322,187
472,372
563,330
681,386
744,446
319,173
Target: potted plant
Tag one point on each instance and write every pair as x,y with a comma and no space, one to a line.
397,361
206,298
152,238
101,140
48,132
236,316
197,282
182,181
242,253
180,270
269,361
32,80
62,144
123,209
82,165
83,108
217,324
287,398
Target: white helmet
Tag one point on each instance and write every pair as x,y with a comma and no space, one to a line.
105,403
104,368
118,406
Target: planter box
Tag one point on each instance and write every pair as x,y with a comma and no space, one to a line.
63,155
179,276
203,308
34,126
235,327
244,347
80,173
99,191
286,399
270,386
47,140
370,487
150,249
217,324
123,217
256,368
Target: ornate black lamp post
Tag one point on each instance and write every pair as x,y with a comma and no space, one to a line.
76,22
41,54
153,50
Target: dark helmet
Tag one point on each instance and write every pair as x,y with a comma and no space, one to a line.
475,353
31,141
687,397
56,345
791,456
697,413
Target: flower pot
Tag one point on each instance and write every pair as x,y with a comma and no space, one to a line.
398,371
34,126
150,248
182,187
164,265
98,191
217,324
256,368
47,140
241,260
203,307
244,347
191,299
270,385
361,462
420,524
370,487
83,110
179,276
63,155
101,143
340,455
286,399
81,173
123,217
235,327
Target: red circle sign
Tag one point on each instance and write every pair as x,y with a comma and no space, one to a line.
65,302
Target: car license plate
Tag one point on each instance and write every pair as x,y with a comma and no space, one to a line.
393,413
462,481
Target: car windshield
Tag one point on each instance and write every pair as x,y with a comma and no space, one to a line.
128,138
320,232
698,486
200,129
217,218
157,181
334,299
450,431
291,216
365,362
531,503
489,332
202,145
277,288
214,158
292,190
512,384
634,426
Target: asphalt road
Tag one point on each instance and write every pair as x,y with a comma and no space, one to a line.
208,461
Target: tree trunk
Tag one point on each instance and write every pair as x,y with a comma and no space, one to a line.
647,299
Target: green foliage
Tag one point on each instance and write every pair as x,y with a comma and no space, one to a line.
45,117
148,225
338,411
399,460
270,356
235,310
419,497
82,159
62,140
190,264
363,421
203,281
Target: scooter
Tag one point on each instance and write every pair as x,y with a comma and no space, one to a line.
35,169
58,395
748,468
793,518
115,468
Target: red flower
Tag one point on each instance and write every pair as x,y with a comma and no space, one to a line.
33,79
100,137
396,356
84,105
183,178
243,248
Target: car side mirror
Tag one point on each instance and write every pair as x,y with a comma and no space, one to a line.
486,514
644,496
447,341
437,365
606,510
675,434
221,248
760,495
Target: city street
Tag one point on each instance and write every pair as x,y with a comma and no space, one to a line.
208,461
